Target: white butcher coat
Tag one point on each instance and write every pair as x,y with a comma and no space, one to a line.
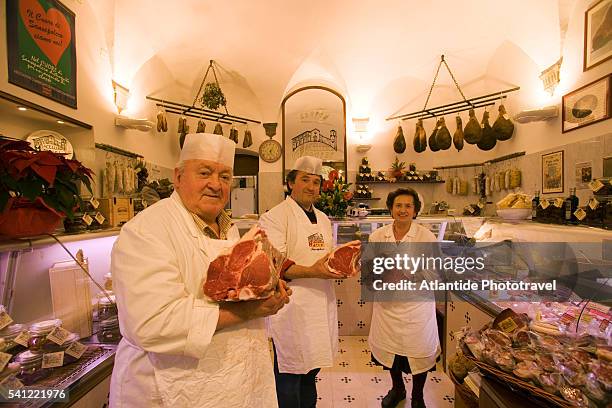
305,331
170,355
408,327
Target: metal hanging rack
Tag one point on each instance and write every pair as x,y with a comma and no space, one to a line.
201,113
460,106
117,150
495,160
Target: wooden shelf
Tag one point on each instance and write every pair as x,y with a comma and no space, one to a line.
401,182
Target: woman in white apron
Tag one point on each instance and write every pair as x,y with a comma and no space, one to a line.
305,332
404,334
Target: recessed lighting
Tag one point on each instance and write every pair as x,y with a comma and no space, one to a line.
21,108
61,122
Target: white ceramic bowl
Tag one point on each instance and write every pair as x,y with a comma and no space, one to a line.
514,213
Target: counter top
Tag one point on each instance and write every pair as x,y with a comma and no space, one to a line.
45,240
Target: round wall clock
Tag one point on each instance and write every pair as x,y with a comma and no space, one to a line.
270,151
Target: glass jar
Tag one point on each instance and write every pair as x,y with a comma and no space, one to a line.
109,330
8,335
107,307
31,370
108,282
39,332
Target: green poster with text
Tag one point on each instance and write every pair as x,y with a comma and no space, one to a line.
41,48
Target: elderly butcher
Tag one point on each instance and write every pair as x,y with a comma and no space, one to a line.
179,349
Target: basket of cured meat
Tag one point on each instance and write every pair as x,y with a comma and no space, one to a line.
553,370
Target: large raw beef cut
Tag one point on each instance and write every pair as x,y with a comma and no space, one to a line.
248,270
346,259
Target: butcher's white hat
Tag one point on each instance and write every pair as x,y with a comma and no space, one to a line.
208,146
309,164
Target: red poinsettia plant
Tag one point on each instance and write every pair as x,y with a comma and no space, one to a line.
31,178
335,195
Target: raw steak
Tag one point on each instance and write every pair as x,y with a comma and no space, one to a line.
248,270
346,259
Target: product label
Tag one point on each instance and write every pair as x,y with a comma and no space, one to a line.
593,203
580,214
508,325
558,202
58,335
94,203
22,339
100,218
87,219
4,359
544,204
596,185
76,350
51,360
10,382
5,319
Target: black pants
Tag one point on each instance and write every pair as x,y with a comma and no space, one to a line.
295,390
401,365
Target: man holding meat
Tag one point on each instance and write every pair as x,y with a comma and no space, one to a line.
179,349
305,332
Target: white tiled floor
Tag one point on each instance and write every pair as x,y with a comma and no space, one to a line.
355,382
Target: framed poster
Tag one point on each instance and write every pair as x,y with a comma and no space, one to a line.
314,124
597,38
586,105
41,49
552,172
584,174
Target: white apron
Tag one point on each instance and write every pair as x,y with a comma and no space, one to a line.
305,331
235,370
406,328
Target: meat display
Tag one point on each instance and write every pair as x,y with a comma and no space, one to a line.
346,259
248,270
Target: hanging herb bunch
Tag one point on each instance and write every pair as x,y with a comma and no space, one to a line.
213,97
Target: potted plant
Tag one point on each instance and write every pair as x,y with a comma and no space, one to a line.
335,196
397,170
37,188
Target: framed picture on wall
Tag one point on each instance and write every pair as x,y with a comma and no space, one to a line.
552,172
41,49
597,38
587,105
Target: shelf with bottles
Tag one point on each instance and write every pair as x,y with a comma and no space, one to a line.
402,182
366,199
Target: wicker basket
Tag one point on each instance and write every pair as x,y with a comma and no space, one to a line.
516,383
466,394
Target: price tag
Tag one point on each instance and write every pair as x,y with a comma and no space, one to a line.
508,325
558,202
544,204
470,209
100,218
22,339
76,350
10,382
596,185
58,335
87,219
4,359
94,203
5,319
51,360
538,315
580,214
481,205
593,203
604,325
